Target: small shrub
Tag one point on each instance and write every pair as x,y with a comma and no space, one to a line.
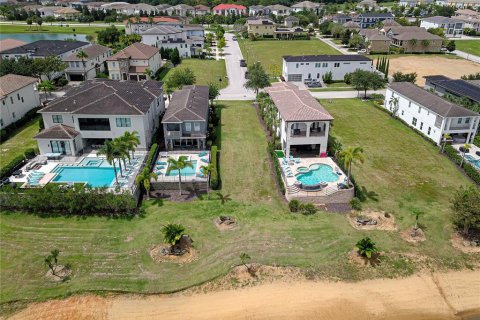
151,155
294,205
10,167
29,153
61,82
308,209
328,77
276,165
347,78
356,204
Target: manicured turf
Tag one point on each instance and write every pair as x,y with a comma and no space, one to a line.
206,71
45,28
270,52
469,46
113,254
18,143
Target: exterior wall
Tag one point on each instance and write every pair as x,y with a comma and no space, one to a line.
315,70
118,67
76,67
200,135
76,145
288,140
12,108
379,46
434,46
451,29
261,30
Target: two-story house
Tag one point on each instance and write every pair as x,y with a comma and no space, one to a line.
303,122
45,48
101,110
430,114
225,9
451,26
136,62
371,19
307,6
78,69
187,39
185,122
261,28
18,95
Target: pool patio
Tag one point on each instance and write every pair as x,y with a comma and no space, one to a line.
472,156
198,158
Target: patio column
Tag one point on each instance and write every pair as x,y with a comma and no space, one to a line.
470,131
308,129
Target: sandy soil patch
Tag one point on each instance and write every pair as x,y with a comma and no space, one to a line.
158,256
357,259
413,236
462,244
431,65
61,273
384,220
225,223
420,297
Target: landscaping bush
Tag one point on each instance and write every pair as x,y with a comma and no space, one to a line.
10,167
151,155
276,165
294,205
356,204
29,153
7,132
308,209
60,82
469,170
214,180
327,77
347,78
476,141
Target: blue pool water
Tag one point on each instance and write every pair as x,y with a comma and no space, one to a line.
94,176
91,162
184,172
31,37
318,173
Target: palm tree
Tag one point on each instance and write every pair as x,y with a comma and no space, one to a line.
150,20
82,55
143,180
425,43
366,247
223,198
109,151
413,43
466,146
47,86
350,155
131,140
417,213
172,233
206,170
446,137
181,163
122,152
393,103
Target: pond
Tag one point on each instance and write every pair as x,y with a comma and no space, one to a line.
31,37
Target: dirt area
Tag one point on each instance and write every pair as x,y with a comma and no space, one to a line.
356,258
384,221
451,295
462,244
61,273
431,65
413,236
158,256
225,223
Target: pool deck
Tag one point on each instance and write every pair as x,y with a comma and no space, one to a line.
472,154
202,158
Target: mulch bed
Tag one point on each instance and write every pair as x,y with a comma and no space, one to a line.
413,236
158,256
61,273
460,242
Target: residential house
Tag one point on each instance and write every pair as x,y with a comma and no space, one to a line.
414,39
470,18
475,4
229,9
341,18
134,26
277,10
162,8
368,5
452,27
135,62
91,66
188,39
18,95
256,10
200,10
371,19
352,26
142,9
181,10
67,14
185,123
291,21
45,48
459,88
414,3
390,23
376,41
304,124
299,68
307,6
467,12
98,111
430,114
7,44
261,28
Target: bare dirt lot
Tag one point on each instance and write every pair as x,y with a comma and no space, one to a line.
432,65
452,295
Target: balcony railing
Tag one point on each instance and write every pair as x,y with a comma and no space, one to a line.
315,133
174,134
301,133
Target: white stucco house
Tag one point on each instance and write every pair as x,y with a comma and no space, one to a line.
451,26
304,123
95,63
299,68
188,39
430,114
18,95
132,62
101,110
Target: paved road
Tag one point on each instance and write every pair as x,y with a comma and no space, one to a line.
235,73
467,56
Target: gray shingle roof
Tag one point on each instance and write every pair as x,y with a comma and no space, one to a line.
459,87
43,48
108,97
430,100
326,57
188,104
60,131
295,104
440,19
162,30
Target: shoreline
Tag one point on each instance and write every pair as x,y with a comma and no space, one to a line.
425,296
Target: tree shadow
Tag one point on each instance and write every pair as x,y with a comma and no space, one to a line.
364,194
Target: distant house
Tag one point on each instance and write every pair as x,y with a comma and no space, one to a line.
432,115
18,95
341,18
414,3
368,5
307,6
277,10
181,10
67,14
470,18
390,23
352,26
44,48
368,20
291,21
162,8
261,28
459,3
229,9
376,41
256,10
299,68
134,26
304,123
94,64
455,87
414,39
200,10
185,123
98,111
452,27
134,62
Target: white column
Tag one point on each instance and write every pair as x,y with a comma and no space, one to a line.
308,128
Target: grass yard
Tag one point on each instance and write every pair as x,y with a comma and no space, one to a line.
45,28
270,52
113,254
469,46
17,144
206,71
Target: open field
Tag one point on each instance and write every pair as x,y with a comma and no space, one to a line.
113,254
270,52
18,143
469,46
432,65
45,28
206,71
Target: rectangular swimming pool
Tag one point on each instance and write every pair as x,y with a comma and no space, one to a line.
184,172
94,176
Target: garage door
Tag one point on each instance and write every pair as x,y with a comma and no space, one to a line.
295,77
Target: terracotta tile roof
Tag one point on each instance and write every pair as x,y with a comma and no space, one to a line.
93,51
227,6
295,104
7,44
59,131
188,104
137,50
12,82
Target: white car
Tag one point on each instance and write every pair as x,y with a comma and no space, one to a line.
362,51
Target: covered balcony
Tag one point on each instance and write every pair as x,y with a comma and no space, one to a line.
308,129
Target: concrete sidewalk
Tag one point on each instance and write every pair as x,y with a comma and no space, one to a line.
467,56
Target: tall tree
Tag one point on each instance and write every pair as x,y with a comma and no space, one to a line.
109,151
131,140
82,55
181,77
206,170
465,147
466,209
179,164
47,87
213,92
143,180
394,103
351,155
257,78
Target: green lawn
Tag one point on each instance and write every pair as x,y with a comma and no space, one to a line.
469,46
113,254
17,144
206,71
270,52
45,28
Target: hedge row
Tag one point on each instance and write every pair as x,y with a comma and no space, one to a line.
470,171
151,156
276,165
214,180
7,132
12,165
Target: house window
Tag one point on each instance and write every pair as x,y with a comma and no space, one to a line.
336,65
429,129
57,118
318,65
421,125
1,122
414,121
188,127
23,100
409,104
113,64
3,102
13,114
467,120
196,126
18,96
77,64
459,121
402,112
324,65
419,109
11,99
297,65
123,122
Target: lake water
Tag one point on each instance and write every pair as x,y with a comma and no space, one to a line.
31,37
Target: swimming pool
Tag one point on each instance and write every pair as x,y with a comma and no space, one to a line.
318,173
473,161
94,176
184,172
91,162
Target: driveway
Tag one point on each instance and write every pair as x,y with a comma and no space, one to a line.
334,46
342,94
235,73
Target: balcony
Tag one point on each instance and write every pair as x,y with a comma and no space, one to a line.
174,134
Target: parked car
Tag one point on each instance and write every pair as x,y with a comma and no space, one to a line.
234,38
307,81
443,49
314,83
243,63
362,51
